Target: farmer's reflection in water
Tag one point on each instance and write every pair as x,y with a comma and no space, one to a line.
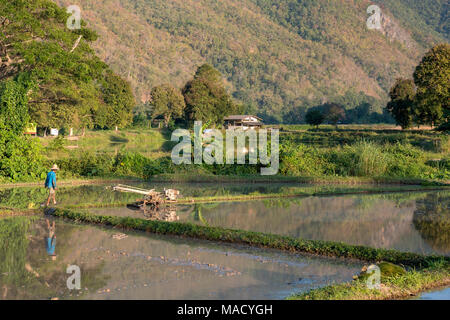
50,241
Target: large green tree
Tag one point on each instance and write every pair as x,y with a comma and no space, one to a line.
167,102
314,117
206,97
72,84
119,101
432,78
334,113
401,105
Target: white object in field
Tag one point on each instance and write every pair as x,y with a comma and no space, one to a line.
54,132
71,132
123,188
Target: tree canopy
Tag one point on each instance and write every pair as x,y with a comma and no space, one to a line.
334,113
401,105
167,102
314,117
432,78
206,97
72,86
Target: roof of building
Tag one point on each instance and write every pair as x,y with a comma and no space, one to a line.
241,117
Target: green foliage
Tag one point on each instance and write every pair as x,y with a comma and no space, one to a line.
387,270
395,287
131,164
334,113
87,164
432,78
14,106
72,85
120,102
167,102
158,166
57,144
401,106
20,156
206,97
361,159
314,117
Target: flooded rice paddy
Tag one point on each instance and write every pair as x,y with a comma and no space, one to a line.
412,221
135,265
131,265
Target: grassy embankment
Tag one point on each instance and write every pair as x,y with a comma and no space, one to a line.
424,272
396,287
148,142
348,156
6,212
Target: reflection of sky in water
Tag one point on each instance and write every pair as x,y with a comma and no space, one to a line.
141,266
443,294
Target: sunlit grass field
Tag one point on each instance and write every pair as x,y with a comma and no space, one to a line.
148,142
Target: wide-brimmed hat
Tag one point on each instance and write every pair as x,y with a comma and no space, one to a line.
55,167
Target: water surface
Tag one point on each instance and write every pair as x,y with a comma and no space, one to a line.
135,265
411,221
442,294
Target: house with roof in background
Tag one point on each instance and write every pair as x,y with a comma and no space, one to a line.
244,122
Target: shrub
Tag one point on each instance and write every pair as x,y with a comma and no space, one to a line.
20,157
303,160
56,144
130,163
158,166
87,164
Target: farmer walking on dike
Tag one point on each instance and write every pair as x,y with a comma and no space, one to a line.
50,184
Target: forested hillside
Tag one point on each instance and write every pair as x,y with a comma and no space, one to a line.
279,56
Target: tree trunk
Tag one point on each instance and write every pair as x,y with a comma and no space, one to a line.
166,121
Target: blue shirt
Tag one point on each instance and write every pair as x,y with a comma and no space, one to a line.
50,245
50,182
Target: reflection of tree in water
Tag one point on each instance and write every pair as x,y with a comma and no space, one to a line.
26,271
13,251
281,202
33,196
197,212
432,220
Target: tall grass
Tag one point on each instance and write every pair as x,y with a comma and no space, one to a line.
369,160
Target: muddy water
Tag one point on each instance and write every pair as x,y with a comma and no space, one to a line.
415,221
141,266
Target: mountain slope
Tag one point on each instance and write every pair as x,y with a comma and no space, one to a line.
280,56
